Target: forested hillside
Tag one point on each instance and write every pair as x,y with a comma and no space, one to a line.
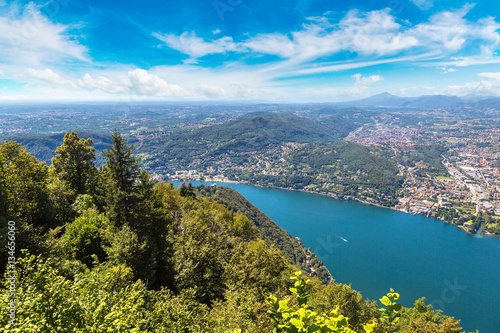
339,169
253,132
43,146
109,250
269,231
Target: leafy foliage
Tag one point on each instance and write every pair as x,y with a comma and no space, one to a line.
294,317
391,314
74,162
267,229
132,255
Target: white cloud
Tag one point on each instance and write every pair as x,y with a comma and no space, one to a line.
144,83
17,97
196,47
29,38
211,91
446,70
361,84
233,91
101,83
446,29
480,88
360,89
244,91
365,81
490,75
371,34
47,75
138,81
275,44
365,38
375,32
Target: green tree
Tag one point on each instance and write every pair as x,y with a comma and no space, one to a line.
61,196
294,316
392,314
187,191
26,186
73,162
259,268
102,299
350,303
123,167
82,203
126,248
119,177
202,247
84,237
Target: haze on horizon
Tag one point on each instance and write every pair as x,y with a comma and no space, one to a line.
225,50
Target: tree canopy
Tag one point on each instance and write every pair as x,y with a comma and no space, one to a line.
111,250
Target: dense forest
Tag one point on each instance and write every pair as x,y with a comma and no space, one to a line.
269,231
109,250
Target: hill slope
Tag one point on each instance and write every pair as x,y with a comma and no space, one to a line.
43,147
253,132
273,128
269,231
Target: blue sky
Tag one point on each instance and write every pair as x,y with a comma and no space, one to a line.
222,50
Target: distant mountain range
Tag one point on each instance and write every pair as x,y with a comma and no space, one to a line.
257,130
253,132
425,101
43,146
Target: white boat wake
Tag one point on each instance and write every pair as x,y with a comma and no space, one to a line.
345,240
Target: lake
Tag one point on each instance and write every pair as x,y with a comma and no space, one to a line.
376,249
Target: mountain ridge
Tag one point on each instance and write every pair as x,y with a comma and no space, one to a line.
386,99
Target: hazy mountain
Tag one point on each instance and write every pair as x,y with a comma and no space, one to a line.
490,102
425,101
381,100
264,128
435,101
254,132
43,146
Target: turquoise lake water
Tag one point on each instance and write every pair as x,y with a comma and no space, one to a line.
376,249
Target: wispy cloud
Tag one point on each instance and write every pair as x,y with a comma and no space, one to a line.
142,82
196,47
47,75
359,89
488,87
45,57
138,82
375,33
446,70
29,38
103,83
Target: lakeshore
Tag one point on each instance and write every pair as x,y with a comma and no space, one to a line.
386,249
333,196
